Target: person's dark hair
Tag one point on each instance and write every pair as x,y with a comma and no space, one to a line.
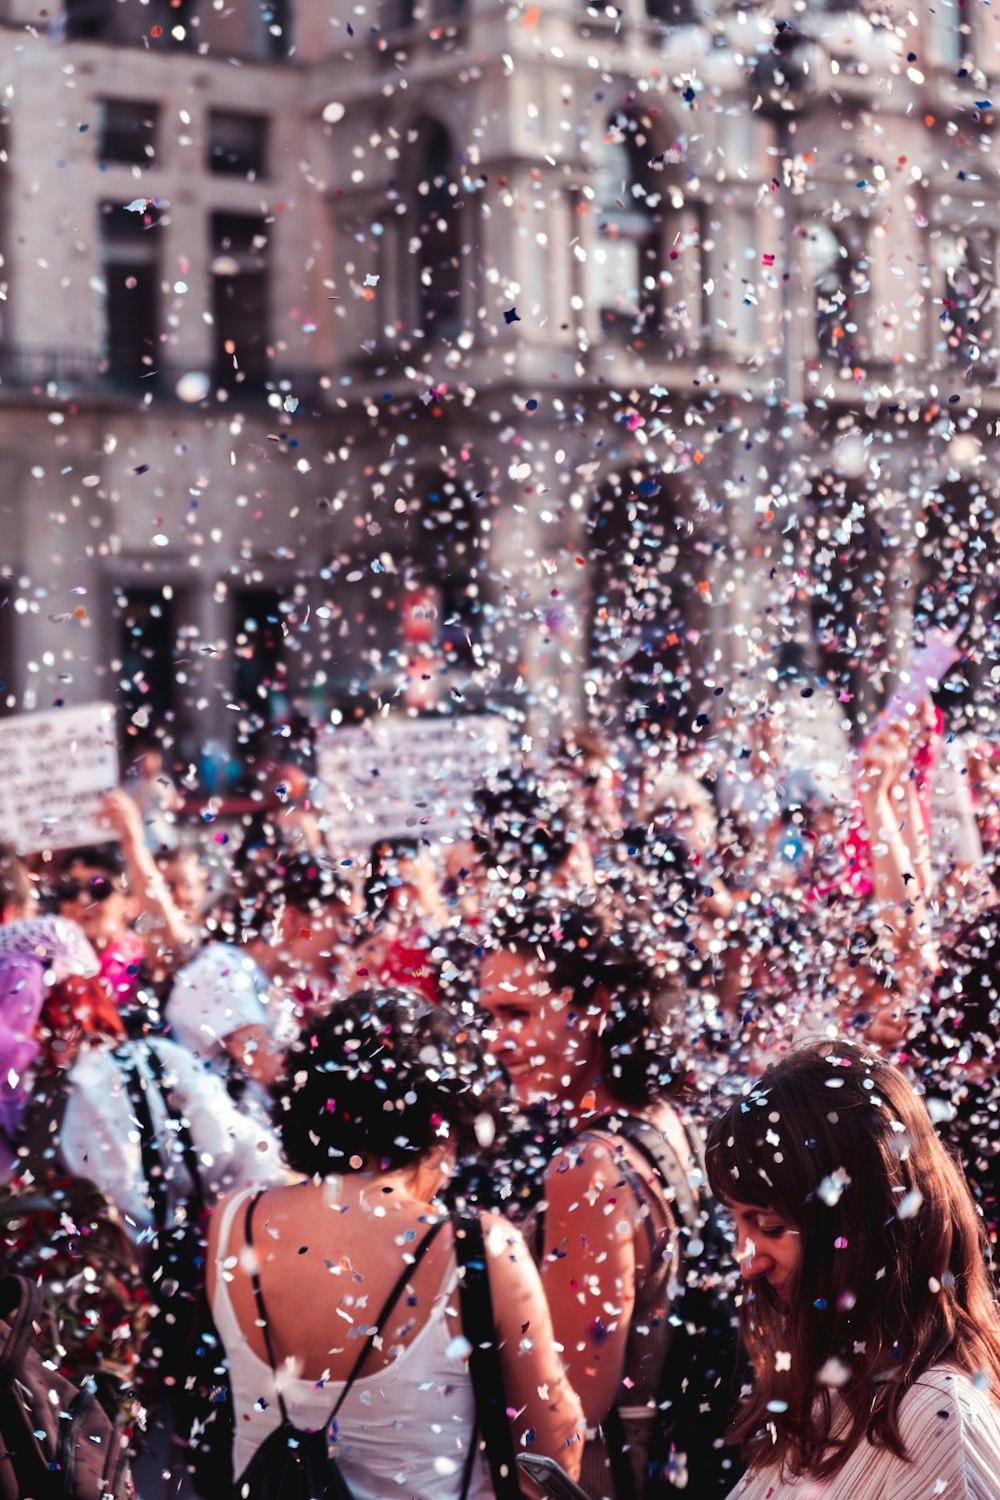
301,880
378,1081
15,882
521,828
107,857
893,1277
76,1010
378,880
603,974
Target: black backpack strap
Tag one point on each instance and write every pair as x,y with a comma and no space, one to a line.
653,1145
152,1162
661,1156
21,1310
619,1458
479,1327
190,1155
405,1276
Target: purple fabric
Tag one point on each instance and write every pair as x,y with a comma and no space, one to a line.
33,954
56,941
22,995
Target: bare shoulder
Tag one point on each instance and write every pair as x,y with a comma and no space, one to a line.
587,1172
587,1159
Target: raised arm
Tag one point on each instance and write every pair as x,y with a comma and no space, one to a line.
165,932
904,918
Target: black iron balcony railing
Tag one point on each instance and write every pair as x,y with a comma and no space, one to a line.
59,373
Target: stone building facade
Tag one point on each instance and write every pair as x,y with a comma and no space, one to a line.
647,349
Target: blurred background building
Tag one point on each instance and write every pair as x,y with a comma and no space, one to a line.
580,360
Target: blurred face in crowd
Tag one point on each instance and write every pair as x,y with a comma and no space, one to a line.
466,870
149,765
410,883
549,1050
314,941
187,883
96,900
694,820
18,888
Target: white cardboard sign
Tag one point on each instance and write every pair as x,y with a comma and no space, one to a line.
394,776
54,769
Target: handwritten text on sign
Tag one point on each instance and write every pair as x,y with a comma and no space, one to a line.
54,769
397,776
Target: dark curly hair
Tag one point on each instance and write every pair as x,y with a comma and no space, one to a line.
379,1080
307,882
601,970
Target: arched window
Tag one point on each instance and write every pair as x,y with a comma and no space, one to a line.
829,269
629,208
956,584
437,238
443,551
849,599
642,599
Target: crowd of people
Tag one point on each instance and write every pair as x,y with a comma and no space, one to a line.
652,1029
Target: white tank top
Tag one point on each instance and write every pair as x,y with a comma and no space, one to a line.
403,1431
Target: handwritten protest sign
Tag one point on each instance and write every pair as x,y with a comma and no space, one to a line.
395,776
54,769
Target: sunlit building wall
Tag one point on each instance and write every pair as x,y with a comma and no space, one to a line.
654,348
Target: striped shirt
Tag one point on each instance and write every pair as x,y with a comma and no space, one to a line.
951,1429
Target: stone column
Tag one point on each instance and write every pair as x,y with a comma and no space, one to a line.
539,593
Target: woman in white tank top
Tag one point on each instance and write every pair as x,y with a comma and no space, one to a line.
378,1098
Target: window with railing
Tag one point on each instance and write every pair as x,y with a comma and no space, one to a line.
272,26
948,28
829,267
240,299
965,272
237,144
642,598
437,233
400,15
128,131
130,249
259,653
147,650
672,12
88,20
160,23
646,266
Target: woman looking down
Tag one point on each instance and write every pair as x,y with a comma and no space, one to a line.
868,1314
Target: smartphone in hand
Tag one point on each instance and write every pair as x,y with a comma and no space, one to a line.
549,1477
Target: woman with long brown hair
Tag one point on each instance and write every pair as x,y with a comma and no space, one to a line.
869,1317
